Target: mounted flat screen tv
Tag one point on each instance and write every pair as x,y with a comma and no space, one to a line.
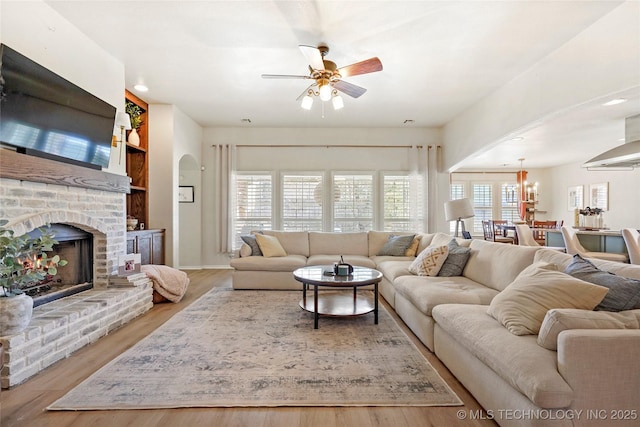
44,115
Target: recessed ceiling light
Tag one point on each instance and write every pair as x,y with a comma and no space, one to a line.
614,102
141,88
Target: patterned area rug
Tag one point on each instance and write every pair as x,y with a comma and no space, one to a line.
259,348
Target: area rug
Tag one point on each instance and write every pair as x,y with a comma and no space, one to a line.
234,348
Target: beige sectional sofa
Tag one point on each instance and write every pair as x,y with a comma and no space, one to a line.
589,377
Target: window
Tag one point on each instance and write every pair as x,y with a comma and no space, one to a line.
482,205
509,202
353,203
396,203
302,200
456,191
253,204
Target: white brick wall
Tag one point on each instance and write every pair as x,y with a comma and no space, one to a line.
61,327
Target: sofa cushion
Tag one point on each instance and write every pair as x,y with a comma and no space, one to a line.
293,242
519,360
392,268
456,260
321,243
426,293
245,250
259,263
250,239
270,246
397,245
442,239
429,261
358,260
496,265
521,307
558,320
624,293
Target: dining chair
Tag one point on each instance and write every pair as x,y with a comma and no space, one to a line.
539,232
573,246
493,233
525,238
631,238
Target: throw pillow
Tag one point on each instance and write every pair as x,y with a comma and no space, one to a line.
429,261
396,245
521,307
624,293
413,248
251,241
455,262
270,246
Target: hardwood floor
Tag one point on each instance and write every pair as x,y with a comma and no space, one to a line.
24,404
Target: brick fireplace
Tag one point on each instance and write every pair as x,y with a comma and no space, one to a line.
35,192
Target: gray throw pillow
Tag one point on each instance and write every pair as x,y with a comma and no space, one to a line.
397,245
455,262
250,240
624,293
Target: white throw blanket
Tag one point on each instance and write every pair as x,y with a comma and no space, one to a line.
167,281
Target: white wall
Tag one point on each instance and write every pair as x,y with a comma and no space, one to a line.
624,194
40,33
604,59
172,135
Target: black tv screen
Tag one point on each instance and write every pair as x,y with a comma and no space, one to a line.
45,115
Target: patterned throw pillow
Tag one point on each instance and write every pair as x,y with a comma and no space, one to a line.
455,262
396,245
413,248
429,261
624,293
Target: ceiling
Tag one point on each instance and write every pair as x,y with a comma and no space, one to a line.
439,58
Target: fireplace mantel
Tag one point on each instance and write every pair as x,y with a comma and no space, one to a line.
24,167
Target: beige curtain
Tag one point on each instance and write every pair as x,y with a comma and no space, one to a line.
419,187
224,163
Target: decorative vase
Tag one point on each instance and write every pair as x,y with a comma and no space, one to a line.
131,224
134,138
15,314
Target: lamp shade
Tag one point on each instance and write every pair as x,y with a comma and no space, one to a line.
458,209
123,119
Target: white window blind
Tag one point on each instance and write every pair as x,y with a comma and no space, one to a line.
302,200
509,202
254,203
397,201
456,191
482,205
353,203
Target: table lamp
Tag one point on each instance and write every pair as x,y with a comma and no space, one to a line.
457,210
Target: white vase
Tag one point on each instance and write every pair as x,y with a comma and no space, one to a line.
15,314
134,138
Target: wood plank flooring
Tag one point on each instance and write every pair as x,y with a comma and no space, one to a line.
24,404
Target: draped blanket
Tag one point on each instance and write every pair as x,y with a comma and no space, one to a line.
167,281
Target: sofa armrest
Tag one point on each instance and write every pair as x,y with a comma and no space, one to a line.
602,366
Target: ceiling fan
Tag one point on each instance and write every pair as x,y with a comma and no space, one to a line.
327,77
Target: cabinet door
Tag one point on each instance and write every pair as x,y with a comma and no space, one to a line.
157,255
144,247
131,245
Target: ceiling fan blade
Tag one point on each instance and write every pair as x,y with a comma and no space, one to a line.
306,91
283,76
370,65
348,88
313,55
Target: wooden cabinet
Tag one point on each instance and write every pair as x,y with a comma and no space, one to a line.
148,243
138,166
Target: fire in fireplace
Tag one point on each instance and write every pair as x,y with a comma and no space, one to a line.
75,246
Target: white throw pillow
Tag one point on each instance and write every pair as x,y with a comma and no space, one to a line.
270,246
429,261
522,306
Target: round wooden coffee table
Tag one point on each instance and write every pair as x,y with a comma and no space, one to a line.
338,303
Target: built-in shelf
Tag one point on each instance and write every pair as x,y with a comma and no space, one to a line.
138,167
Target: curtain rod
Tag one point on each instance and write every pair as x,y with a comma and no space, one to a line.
485,172
320,146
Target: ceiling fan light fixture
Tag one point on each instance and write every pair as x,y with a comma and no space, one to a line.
337,102
325,92
307,102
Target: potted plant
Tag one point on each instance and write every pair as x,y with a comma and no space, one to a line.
23,262
135,114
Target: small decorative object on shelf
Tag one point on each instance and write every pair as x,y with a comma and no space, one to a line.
591,218
134,138
131,223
